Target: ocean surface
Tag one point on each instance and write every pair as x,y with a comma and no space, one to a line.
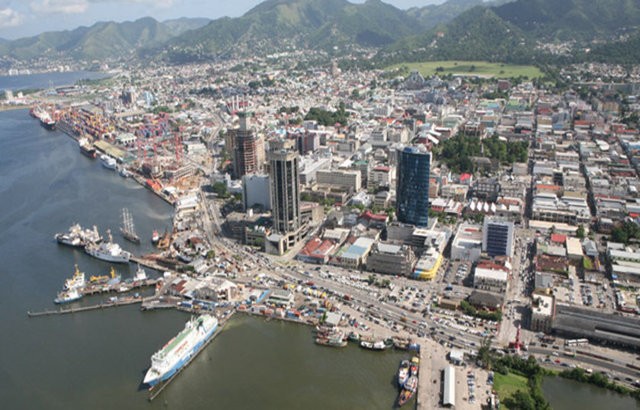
45,80
97,359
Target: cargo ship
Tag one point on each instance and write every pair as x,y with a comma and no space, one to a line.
179,350
86,148
45,119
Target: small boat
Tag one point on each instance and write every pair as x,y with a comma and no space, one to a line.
140,275
108,162
330,337
155,237
124,173
353,337
403,372
67,296
333,342
408,390
378,345
127,229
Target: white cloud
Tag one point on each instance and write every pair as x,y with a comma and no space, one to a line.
60,6
10,18
155,3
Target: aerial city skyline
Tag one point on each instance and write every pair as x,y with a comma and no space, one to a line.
321,205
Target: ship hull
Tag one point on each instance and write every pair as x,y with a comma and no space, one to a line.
48,125
64,240
182,361
88,152
110,258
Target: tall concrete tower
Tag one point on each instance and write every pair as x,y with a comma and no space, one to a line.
248,148
285,190
412,185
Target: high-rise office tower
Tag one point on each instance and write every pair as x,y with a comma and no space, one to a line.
497,237
412,185
285,189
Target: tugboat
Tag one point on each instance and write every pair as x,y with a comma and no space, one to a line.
67,296
128,229
140,275
86,148
155,237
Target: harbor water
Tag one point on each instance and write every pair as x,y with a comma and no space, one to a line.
46,80
564,394
97,359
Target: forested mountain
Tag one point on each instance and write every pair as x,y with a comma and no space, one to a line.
101,40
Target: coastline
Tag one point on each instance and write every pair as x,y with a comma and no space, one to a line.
4,107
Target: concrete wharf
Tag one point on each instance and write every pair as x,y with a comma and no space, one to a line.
149,262
122,287
103,305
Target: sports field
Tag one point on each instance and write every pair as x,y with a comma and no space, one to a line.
471,68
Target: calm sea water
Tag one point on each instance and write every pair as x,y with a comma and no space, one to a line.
98,359
45,80
565,394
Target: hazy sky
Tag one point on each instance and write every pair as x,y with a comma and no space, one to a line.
20,18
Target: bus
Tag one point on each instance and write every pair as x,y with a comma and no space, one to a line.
576,342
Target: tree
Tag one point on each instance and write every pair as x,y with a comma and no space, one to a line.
520,400
580,232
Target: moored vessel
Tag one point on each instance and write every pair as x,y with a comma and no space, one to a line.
44,117
86,148
127,229
77,281
108,162
78,236
378,345
108,251
403,372
140,275
178,351
331,337
67,296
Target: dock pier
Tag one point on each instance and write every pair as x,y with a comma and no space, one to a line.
148,263
102,305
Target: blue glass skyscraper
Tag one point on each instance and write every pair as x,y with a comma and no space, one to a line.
412,188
